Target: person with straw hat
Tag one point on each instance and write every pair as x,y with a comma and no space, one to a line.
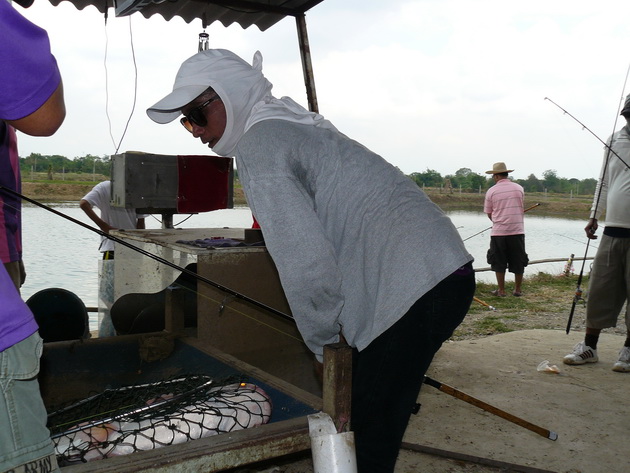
504,206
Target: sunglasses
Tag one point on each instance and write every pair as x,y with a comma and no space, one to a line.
196,115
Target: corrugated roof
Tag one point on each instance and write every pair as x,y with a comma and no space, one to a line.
262,13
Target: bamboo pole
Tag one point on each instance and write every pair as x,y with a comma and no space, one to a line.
491,409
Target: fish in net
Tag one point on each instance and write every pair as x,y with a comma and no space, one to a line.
147,416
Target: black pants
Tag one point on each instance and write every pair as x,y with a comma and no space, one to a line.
388,374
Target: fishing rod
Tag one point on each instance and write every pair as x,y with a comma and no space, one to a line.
577,297
479,301
490,408
608,147
490,227
152,256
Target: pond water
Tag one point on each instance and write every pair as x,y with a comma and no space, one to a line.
61,254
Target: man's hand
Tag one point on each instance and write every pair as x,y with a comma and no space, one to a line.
591,228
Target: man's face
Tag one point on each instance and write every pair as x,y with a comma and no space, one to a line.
205,118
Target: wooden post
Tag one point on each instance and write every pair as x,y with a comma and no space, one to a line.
337,377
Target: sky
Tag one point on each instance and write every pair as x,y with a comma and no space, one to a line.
427,84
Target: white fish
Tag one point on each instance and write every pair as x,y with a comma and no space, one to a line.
233,407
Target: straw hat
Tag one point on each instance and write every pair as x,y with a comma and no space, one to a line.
499,168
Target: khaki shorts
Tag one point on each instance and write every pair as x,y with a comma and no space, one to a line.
25,443
609,283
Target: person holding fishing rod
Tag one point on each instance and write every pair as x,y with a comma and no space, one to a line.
111,218
504,206
31,101
362,253
609,282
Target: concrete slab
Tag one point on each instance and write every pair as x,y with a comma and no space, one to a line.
587,406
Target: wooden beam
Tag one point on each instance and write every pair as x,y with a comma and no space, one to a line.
337,391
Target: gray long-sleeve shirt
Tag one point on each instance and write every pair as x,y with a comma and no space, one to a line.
614,183
355,241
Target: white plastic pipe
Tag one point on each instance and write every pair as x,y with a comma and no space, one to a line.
332,452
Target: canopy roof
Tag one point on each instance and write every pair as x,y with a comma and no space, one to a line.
262,13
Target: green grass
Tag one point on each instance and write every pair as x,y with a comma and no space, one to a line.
78,178
543,292
546,303
67,182
492,324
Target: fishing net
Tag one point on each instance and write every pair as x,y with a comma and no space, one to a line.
147,416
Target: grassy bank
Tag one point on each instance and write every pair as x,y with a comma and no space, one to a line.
545,304
73,187
564,205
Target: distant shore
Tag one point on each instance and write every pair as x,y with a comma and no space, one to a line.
551,205
560,205
68,191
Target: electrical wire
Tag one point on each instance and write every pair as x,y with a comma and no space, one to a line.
135,88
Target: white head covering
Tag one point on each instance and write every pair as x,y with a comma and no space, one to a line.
243,89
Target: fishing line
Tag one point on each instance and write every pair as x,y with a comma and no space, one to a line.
584,127
204,296
152,256
574,239
490,227
233,309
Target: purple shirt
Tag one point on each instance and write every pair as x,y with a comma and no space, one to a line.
16,319
28,77
28,71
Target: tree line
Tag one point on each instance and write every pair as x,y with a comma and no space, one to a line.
56,165
469,181
463,179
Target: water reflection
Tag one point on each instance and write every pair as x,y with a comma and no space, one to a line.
62,254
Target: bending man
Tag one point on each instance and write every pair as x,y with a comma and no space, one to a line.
361,251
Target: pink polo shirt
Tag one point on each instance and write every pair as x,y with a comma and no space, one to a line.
504,201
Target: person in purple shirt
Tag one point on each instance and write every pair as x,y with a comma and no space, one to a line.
31,101
11,206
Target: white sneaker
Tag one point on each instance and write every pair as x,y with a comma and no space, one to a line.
583,354
623,363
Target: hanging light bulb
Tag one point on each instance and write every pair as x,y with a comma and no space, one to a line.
204,38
